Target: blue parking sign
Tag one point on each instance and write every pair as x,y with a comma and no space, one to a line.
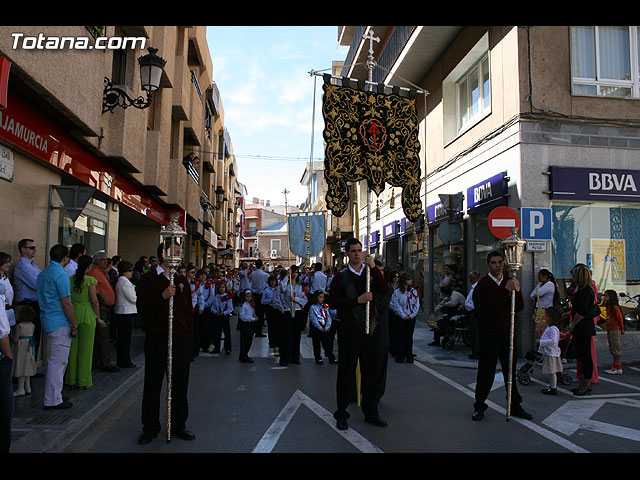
536,223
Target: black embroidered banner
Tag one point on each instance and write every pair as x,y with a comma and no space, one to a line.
374,137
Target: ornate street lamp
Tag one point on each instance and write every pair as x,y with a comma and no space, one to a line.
514,254
219,196
172,250
151,68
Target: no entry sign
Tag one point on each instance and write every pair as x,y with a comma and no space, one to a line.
502,220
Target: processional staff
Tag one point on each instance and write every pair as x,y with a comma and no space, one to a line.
514,251
370,66
286,213
172,245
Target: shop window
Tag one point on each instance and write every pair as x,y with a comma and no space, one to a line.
446,255
485,241
89,231
604,237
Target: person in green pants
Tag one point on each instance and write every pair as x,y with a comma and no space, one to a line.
87,312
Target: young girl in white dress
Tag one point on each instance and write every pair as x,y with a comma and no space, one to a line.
25,351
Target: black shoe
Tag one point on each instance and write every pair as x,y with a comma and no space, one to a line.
379,422
550,391
333,361
478,414
60,406
435,343
146,438
341,424
319,361
399,360
184,434
520,413
246,360
473,356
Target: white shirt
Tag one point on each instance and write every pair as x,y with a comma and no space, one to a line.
549,342
546,291
357,273
258,281
8,298
71,267
468,303
318,282
125,297
5,329
498,281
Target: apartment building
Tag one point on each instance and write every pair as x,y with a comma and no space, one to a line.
84,164
542,119
266,234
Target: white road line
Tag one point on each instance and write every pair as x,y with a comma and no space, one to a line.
273,433
532,426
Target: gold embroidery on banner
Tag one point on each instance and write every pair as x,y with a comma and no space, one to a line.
373,137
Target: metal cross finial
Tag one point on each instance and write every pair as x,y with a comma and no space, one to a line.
369,36
370,61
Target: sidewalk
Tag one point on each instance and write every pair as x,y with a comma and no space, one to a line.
459,356
34,430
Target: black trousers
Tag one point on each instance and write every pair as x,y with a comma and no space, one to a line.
291,332
123,341
322,339
273,318
583,342
354,345
394,332
247,330
221,324
493,347
155,368
260,313
101,346
404,349
206,329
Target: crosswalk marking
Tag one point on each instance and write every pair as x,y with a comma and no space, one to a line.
279,425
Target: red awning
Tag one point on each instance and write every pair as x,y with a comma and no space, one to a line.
5,66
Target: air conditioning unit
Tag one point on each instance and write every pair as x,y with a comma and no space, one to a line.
274,254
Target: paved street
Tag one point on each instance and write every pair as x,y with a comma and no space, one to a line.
262,407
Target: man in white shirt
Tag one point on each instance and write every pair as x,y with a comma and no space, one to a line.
474,276
259,281
451,302
77,249
318,279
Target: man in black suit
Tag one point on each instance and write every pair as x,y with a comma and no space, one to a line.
348,295
154,291
492,307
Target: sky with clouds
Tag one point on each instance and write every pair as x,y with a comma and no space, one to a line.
267,94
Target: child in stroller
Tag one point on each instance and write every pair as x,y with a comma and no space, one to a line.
548,358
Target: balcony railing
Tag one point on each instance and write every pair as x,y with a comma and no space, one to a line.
196,84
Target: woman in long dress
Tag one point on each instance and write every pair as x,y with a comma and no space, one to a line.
87,313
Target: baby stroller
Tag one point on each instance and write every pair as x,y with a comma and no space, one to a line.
524,374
